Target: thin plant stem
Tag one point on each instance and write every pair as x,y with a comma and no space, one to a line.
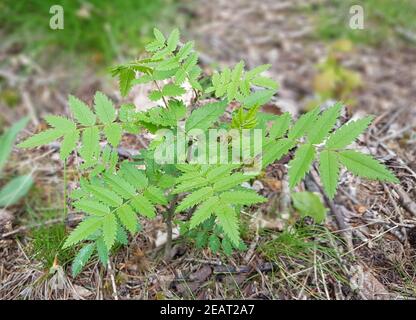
168,221
65,190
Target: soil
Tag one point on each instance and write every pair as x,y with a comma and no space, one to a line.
374,222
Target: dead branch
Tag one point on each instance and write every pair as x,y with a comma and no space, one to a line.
405,200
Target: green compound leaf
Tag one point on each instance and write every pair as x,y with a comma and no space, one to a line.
173,40
83,231
245,120
82,112
41,138
347,133
309,204
92,207
201,240
104,108
69,143
188,177
227,219
81,259
159,35
191,184
280,126
119,185
214,243
300,164
304,123
324,123
258,98
155,95
155,195
194,198
177,108
60,123
219,171
228,182
265,83
232,88
143,206
365,166
113,133
154,46
274,151
102,251
105,195
329,172
185,50
172,90
90,144
170,64
203,117
128,218
187,168
227,246
241,197
109,230
257,70
134,176
203,212
121,235
126,78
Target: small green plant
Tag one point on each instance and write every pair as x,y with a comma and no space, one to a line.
301,248
191,181
16,188
309,204
47,243
334,81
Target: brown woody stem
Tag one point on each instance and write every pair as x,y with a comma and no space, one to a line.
168,220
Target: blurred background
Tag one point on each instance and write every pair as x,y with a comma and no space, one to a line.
317,58
315,53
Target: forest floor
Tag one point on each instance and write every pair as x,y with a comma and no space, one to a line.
365,250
